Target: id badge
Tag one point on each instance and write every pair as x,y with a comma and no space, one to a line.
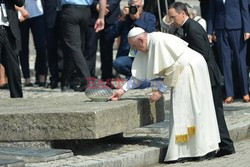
3,8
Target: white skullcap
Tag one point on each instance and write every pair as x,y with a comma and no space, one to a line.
135,31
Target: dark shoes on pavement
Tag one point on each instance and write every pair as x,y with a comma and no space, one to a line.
52,85
222,153
4,86
80,87
28,84
76,88
180,160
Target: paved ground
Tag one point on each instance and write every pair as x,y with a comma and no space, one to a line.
143,145
240,159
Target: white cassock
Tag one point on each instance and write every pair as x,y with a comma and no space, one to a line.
193,124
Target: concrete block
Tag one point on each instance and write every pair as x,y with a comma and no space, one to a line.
75,117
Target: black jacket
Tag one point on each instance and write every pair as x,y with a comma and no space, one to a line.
13,19
196,36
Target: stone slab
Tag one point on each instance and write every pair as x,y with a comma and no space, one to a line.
75,117
34,155
11,163
141,153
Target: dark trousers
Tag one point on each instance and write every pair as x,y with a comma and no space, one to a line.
226,142
75,21
37,27
123,65
90,49
10,61
106,51
232,51
54,44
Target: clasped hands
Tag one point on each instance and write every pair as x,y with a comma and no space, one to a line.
118,94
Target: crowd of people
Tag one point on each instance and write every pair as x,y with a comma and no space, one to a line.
58,29
66,50
203,60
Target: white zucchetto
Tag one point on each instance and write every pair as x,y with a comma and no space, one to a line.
135,31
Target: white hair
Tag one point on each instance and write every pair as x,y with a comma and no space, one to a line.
133,1
135,31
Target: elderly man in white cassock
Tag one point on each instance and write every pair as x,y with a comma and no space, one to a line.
193,125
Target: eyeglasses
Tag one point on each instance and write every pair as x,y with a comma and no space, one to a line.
173,17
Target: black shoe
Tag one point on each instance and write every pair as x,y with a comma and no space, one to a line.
28,85
4,86
208,156
65,87
52,85
80,88
42,84
180,160
222,153
36,82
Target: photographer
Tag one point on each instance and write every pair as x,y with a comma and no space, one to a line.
131,16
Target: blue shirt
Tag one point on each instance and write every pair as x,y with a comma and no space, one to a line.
77,2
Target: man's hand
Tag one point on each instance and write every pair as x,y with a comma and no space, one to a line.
23,13
99,25
210,38
155,96
124,13
246,36
117,95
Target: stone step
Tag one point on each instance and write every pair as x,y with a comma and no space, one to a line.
138,151
34,154
239,109
11,163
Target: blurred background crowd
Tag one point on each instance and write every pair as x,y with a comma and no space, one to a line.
66,44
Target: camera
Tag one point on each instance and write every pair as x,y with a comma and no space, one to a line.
133,9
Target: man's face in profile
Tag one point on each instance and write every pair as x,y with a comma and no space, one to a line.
176,18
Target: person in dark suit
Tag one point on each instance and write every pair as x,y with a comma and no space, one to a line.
248,50
10,45
106,44
75,20
196,36
229,19
52,14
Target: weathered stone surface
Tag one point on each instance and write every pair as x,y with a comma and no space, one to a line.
11,163
34,155
75,117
